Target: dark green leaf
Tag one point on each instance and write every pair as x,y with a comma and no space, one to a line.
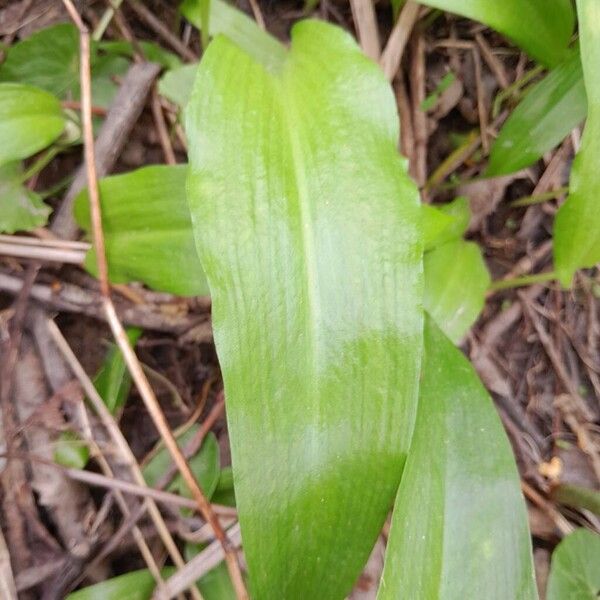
225,492
575,570
459,527
152,52
239,28
577,225
543,32
308,228
147,227
136,585
30,120
20,208
113,380
456,281
204,465
547,114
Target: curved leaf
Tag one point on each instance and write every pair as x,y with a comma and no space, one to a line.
176,84
575,570
308,228
456,281
577,225
147,230
459,527
549,112
30,120
543,31
20,208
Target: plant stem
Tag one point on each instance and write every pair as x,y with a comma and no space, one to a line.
39,163
511,89
539,198
506,284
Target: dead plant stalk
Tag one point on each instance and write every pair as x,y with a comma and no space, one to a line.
131,360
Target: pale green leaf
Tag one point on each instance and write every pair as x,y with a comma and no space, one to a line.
204,465
543,31
456,281
30,120
20,208
459,527
71,451
548,113
577,225
239,28
136,585
176,84
147,229
308,228
113,380
575,569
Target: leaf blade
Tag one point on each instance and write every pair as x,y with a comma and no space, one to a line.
317,345
577,224
459,526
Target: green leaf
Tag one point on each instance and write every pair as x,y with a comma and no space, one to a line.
216,584
544,33
456,281
152,52
176,84
577,224
30,120
71,451
459,526
204,465
20,208
575,570
308,228
239,28
48,59
225,492
445,222
147,230
136,585
113,380
549,112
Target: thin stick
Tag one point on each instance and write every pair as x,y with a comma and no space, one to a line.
394,50
119,334
161,126
159,28
365,23
49,254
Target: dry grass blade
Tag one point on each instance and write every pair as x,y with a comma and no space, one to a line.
131,360
394,50
8,590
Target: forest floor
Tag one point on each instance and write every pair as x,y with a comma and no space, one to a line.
536,347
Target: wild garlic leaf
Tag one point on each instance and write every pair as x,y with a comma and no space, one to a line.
309,232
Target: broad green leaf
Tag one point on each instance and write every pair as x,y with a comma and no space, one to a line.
550,110
30,120
176,84
239,28
49,59
308,228
136,585
71,451
577,225
20,208
456,281
575,569
113,380
147,230
543,31
459,526
204,465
